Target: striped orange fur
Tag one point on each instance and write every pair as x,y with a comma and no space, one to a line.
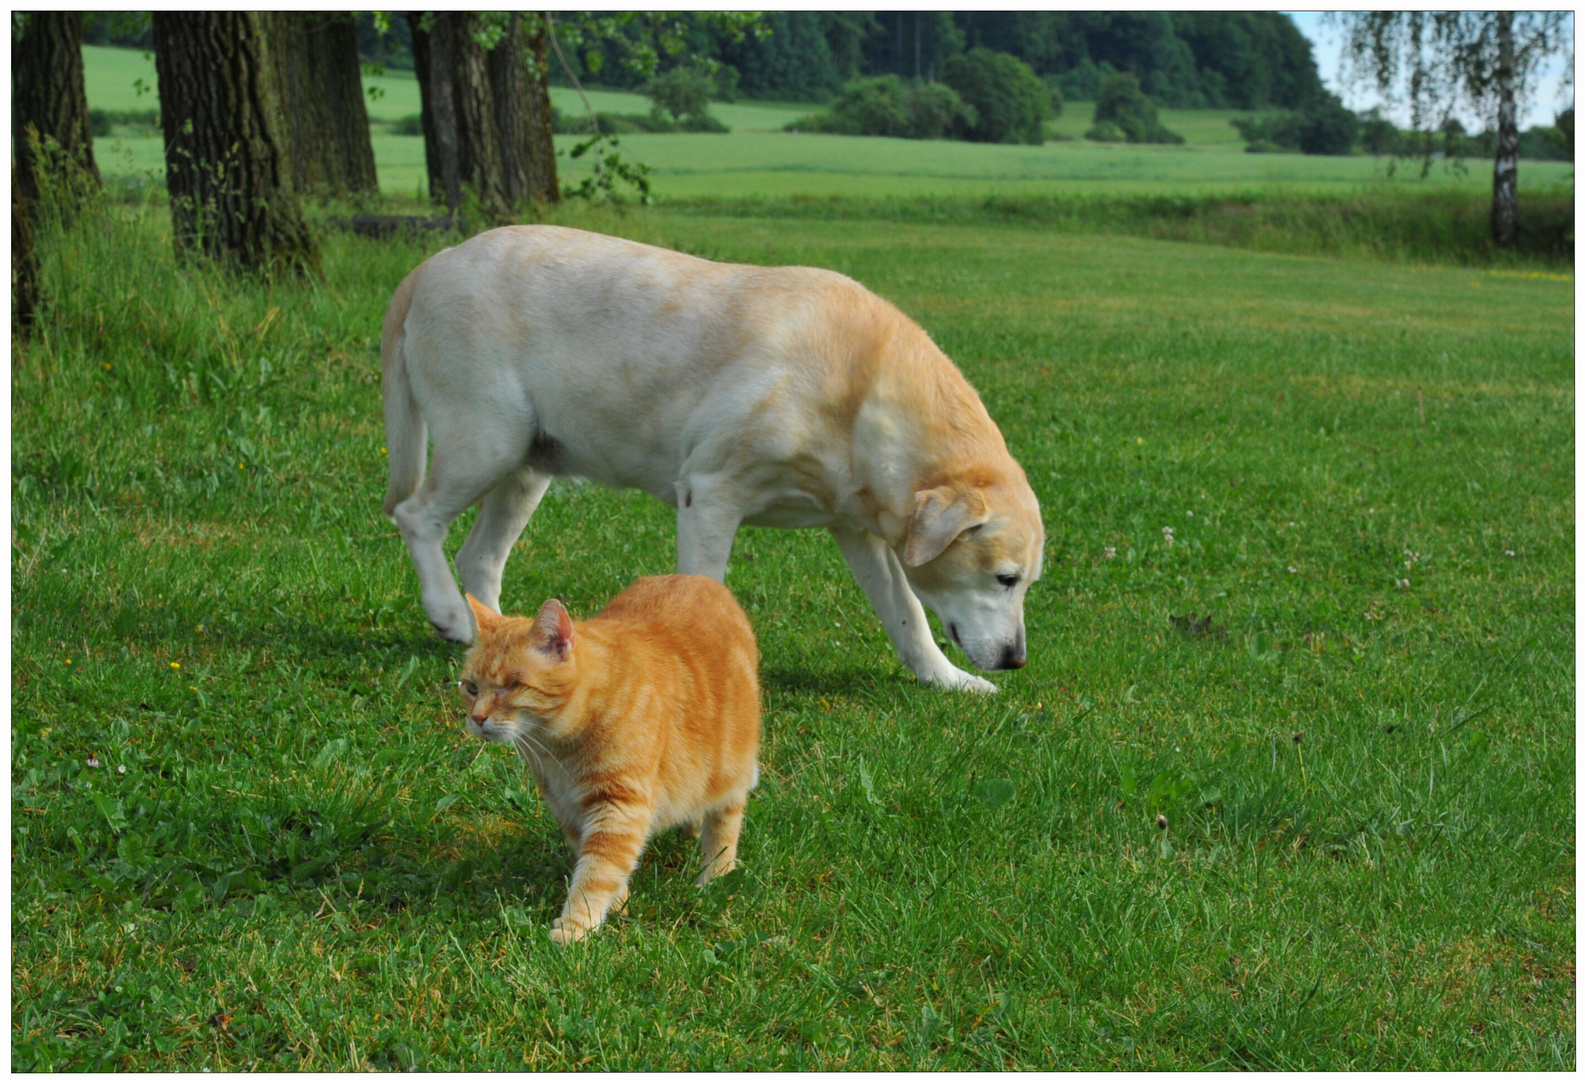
642,719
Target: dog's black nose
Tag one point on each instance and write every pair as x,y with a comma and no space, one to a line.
1013,657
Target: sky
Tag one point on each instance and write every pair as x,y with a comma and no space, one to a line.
1550,96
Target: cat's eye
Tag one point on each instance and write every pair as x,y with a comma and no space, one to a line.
469,688
1007,580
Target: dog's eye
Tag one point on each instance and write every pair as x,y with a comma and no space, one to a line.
469,688
1007,580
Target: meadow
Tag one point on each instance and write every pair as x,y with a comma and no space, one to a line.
758,160
1287,783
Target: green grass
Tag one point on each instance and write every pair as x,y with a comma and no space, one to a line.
306,865
758,160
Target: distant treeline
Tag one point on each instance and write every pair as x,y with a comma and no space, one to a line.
1203,59
1247,60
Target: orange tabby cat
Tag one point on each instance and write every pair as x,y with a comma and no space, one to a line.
643,718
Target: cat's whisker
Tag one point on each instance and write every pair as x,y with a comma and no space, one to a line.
525,740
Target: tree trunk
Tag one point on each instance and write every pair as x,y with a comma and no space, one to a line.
426,109
499,134
1505,177
522,110
478,143
47,93
24,264
316,56
438,97
227,161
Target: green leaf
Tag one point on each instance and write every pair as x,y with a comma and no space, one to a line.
446,803
114,813
329,752
995,793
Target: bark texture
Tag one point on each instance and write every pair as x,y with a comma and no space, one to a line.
47,93
522,110
1505,175
24,264
327,121
486,112
227,159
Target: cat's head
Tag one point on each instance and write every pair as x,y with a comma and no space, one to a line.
519,673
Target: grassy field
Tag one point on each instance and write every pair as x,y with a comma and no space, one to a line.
1334,830
758,160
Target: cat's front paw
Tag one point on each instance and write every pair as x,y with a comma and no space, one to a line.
565,932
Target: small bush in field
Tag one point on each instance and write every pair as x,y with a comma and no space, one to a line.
886,105
1122,103
1010,102
412,124
683,92
1323,126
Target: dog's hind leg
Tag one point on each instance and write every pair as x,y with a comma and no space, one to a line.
461,471
880,574
708,514
503,515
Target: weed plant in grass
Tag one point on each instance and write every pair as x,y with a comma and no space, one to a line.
1331,828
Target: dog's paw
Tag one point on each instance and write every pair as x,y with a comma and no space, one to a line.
452,624
958,679
565,932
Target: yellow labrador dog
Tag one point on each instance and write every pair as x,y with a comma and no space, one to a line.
787,396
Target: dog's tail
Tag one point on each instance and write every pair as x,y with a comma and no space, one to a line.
406,437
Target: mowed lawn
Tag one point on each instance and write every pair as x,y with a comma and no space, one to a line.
758,159
1287,783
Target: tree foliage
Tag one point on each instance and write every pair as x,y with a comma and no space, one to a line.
1124,112
889,105
1441,63
1249,60
1010,102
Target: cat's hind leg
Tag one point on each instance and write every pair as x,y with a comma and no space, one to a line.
718,840
613,839
503,514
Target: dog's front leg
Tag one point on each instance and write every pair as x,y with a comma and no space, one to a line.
709,511
880,575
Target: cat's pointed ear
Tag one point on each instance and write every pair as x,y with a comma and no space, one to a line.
553,630
940,515
483,617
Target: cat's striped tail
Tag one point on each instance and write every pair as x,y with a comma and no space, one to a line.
406,437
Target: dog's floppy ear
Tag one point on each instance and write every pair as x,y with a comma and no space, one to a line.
940,515
553,629
482,616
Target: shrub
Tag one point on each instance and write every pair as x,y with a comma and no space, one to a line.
412,124
1124,104
1105,131
935,111
886,105
1010,102
1327,127
877,106
684,92
1322,126
1377,134
1270,133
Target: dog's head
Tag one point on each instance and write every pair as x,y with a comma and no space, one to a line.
971,552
